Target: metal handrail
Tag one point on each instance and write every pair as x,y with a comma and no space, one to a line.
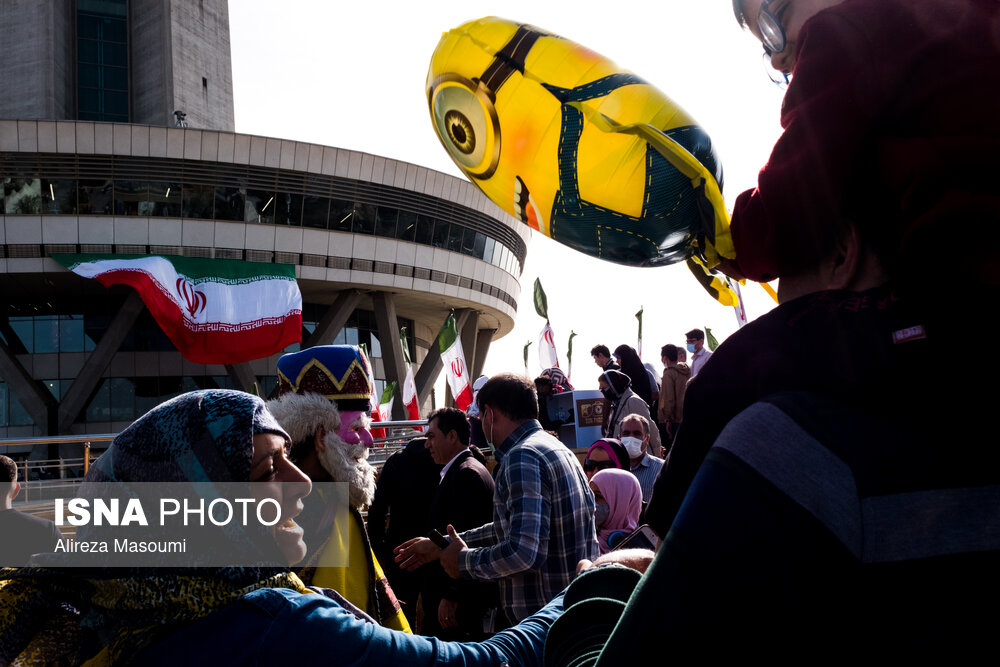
58,439
37,489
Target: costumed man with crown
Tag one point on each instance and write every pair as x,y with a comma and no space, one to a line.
324,404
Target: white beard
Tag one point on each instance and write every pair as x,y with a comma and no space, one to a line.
338,459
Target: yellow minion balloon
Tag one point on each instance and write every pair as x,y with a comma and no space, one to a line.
582,151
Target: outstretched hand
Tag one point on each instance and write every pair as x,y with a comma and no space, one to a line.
449,556
413,553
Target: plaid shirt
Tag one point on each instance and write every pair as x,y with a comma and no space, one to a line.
543,523
646,471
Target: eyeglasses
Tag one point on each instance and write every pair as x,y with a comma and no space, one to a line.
777,77
589,465
771,32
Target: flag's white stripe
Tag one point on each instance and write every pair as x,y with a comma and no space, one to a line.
457,383
409,386
222,303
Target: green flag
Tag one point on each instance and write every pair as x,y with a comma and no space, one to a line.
406,346
387,393
526,346
541,303
710,339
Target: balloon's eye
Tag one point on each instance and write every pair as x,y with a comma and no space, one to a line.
460,131
467,125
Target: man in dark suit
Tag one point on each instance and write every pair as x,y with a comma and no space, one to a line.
454,609
399,511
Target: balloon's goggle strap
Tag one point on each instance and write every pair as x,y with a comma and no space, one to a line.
510,58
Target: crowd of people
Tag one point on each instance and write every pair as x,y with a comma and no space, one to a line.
820,499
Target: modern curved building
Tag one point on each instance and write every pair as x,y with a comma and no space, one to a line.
376,243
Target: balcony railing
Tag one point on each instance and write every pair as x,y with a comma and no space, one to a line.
42,480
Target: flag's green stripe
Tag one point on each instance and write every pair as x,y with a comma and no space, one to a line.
403,343
448,334
197,269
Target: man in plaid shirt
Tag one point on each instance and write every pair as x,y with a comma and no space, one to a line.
543,509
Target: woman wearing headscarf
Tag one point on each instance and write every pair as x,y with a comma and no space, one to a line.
617,389
603,454
633,368
230,615
619,502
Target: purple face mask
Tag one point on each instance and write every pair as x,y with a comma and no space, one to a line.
349,434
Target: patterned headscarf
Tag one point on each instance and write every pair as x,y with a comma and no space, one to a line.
560,382
53,615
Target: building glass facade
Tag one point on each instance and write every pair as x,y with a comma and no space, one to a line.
127,398
53,185
102,73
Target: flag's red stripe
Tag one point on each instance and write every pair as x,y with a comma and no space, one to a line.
215,347
464,400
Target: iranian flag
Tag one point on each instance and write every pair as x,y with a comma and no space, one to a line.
454,362
215,311
547,355
382,410
409,386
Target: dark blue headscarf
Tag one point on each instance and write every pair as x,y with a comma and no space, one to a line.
200,436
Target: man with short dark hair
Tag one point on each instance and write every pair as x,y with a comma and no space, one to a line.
696,346
455,609
399,511
543,519
672,388
22,534
602,357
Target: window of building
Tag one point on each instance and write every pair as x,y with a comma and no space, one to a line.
198,201
102,60
425,230
163,200
259,206
46,334
58,196
4,407
230,203
22,196
315,211
95,196
455,236
364,219
406,227
440,238
341,213
288,209
385,221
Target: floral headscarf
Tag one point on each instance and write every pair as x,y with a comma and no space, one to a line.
106,616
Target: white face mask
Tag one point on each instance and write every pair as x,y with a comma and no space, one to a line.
633,446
